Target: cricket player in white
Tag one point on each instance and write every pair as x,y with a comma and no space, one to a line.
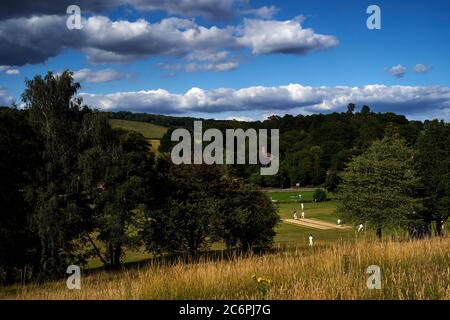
339,222
360,227
302,206
295,215
311,240
303,214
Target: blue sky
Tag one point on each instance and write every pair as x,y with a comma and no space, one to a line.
247,74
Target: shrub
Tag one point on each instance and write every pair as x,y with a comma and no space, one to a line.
320,195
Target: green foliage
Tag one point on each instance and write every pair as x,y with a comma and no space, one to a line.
332,181
246,217
313,146
19,158
72,187
183,221
89,179
377,186
433,166
320,195
204,204
116,171
57,216
351,108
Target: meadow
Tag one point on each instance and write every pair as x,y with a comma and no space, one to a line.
409,270
335,268
153,133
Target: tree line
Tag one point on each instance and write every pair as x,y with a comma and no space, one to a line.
73,188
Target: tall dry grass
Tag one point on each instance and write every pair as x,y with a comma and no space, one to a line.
410,270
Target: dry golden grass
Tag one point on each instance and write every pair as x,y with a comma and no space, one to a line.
410,270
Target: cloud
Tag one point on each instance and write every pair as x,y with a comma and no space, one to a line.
402,99
12,72
262,12
34,40
28,8
207,56
421,68
216,67
100,76
397,71
209,9
201,67
287,37
9,70
106,41
5,98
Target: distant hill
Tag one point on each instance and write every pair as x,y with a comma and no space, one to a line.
314,149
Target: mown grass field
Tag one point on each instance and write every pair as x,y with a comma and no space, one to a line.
291,196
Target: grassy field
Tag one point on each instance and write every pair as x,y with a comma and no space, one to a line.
287,234
148,130
291,196
334,269
153,133
409,270
293,235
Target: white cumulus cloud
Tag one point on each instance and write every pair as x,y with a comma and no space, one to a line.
107,41
264,12
421,68
99,76
288,37
397,71
402,99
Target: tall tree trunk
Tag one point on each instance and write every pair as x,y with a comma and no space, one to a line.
439,227
117,254
97,251
379,234
111,257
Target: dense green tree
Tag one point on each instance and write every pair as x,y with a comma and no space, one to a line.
205,204
57,215
115,173
19,158
183,222
320,195
433,167
351,108
365,110
246,217
377,186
